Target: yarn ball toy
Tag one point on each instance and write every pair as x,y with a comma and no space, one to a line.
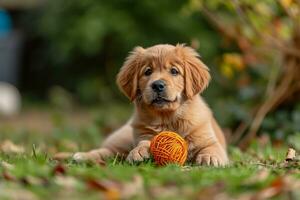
168,147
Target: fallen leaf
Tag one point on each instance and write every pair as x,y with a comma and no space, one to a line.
164,192
7,165
59,169
260,176
291,183
245,196
290,155
32,180
7,176
67,182
274,189
133,188
215,191
111,189
8,147
14,192
279,185
115,190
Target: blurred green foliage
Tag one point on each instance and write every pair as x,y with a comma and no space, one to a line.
85,43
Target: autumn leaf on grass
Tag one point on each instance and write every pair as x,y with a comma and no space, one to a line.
67,182
215,191
9,147
59,169
7,176
291,160
32,180
290,155
6,165
133,188
60,178
26,180
109,188
282,184
260,176
117,190
164,191
15,192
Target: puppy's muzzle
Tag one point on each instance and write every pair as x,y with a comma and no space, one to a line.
158,86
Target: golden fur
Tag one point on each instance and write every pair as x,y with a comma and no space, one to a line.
178,108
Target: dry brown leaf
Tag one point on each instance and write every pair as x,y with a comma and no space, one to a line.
14,192
134,188
267,193
115,190
9,147
59,169
290,155
274,189
32,180
67,182
164,192
281,184
7,165
61,156
215,191
261,175
245,196
7,176
291,183
111,189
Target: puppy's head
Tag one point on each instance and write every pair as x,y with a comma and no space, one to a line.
162,77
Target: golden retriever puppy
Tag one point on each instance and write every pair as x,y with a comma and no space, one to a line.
164,82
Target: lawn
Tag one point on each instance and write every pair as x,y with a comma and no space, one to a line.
28,170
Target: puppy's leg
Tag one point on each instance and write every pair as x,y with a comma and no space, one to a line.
209,150
120,142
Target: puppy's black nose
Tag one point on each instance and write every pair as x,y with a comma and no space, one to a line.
158,86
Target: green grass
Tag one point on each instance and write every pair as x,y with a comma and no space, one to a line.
35,175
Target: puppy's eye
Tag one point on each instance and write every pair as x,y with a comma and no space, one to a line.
174,71
148,72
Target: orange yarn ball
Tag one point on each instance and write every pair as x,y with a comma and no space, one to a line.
168,147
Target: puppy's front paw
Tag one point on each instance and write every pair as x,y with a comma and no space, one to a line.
97,156
138,154
85,156
80,156
210,160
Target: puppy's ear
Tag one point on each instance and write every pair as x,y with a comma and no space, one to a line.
197,75
127,78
